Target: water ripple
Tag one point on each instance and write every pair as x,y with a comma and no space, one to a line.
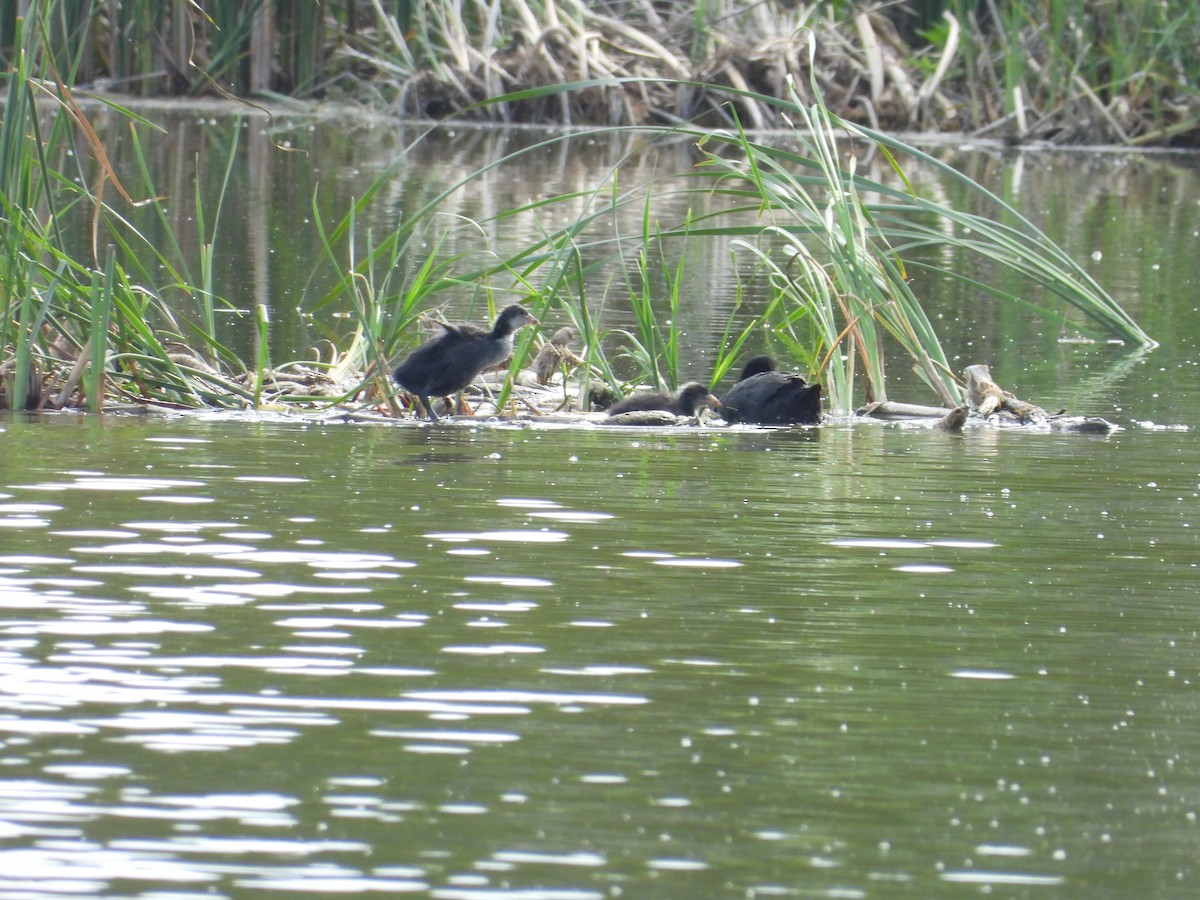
404,621
492,649
169,571
509,580
517,696
96,482
541,536
97,627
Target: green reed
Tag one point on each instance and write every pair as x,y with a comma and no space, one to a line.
834,248
83,324
655,347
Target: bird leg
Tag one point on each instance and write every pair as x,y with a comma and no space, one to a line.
426,405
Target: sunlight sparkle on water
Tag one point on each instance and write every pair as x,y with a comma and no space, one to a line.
178,499
1002,850
698,563
964,544
113,483
982,675
517,696
541,536
322,622
168,571
272,479
497,606
106,627
492,649
1001,878
677,865
578,858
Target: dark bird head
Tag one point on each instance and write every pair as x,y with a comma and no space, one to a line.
692,396
512,318
757,366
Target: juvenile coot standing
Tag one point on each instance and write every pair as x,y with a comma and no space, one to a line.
449,363
686,402
765,396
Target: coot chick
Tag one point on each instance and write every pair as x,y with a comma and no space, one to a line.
686,402
765,396
449,363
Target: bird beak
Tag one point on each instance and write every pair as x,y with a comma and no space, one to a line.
712,401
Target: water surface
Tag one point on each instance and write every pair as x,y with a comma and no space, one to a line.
251,656
241,657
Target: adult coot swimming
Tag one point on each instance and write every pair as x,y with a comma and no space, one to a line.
450,362
686,402
766,396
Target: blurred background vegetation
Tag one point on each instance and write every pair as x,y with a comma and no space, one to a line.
1065,71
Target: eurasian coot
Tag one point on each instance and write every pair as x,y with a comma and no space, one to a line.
686,402
450,362
765,396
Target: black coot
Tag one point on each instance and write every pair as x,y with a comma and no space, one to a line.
686,402
449,363
765,396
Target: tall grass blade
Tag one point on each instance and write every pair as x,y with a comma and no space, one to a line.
101,312
262,325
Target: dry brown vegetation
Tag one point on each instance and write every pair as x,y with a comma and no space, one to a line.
1066,71
986,70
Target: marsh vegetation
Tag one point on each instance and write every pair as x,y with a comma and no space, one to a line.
135,321
1067,71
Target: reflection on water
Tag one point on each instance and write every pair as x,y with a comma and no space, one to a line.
464,663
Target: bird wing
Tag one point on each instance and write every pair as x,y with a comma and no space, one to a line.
773,398
641,401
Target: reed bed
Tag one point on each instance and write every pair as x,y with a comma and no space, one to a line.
1064,71
135,323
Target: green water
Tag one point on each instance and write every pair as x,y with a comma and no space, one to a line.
256,656
868,661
